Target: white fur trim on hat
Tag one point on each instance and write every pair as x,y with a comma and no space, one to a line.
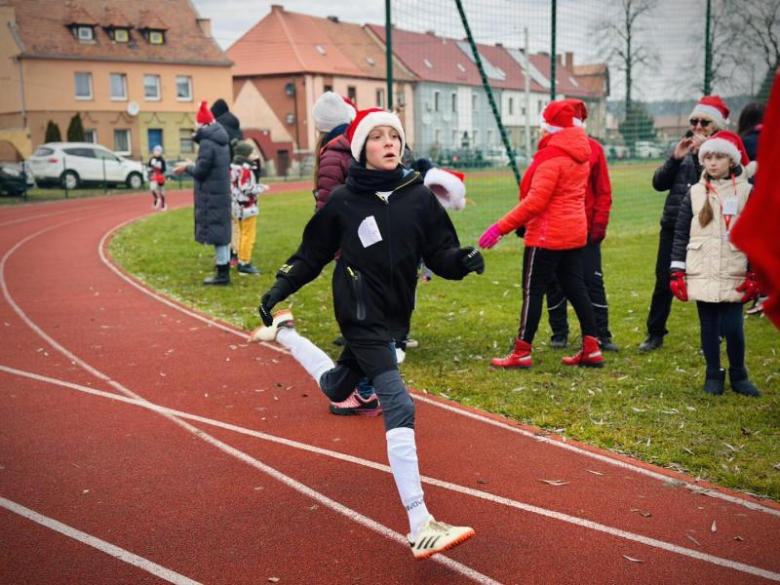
368,123
549,127
449,189
710,112
330,110
720,145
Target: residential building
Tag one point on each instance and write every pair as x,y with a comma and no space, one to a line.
287,60
134,71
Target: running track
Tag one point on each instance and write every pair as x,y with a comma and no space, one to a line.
142,443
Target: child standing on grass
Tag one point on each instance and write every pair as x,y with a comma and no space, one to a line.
707,268
245,189
157,178
384,221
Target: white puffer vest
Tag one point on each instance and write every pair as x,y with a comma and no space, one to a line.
714,267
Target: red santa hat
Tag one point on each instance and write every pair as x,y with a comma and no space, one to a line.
557,116
365,122
713,108
331,110
727,143
580,111
448,186
204,115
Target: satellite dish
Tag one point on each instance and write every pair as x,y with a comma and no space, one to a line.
133,108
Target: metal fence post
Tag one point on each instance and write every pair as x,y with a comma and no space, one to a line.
389,54
708,52
553,59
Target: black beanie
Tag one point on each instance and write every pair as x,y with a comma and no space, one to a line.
219,107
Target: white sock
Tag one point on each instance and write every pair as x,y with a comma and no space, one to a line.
402,453
315,361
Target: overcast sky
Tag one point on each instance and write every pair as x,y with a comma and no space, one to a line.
676,29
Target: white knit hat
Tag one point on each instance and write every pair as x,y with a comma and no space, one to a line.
367,120
331,110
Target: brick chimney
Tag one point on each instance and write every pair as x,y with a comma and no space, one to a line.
569,62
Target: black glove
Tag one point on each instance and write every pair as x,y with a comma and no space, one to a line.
520,232
268,301
472,260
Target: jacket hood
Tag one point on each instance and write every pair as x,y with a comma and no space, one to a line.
339,143
214,132
219,107
573,141
229,120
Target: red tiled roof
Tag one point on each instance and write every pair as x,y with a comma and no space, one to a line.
288,42
115,18
565,82
49,36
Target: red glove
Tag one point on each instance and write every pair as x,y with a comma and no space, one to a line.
677,284
749,287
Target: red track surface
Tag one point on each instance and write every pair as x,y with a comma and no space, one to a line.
267,483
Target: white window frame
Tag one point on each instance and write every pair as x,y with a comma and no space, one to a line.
153,34
123,77
436,98
129,141
158,97
93,132
454,103
188,78
126,34
189,139
89,33
380,98
91,95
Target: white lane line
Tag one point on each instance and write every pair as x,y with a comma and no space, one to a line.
103,546
353,515
500,500
212,322
462,412
36,217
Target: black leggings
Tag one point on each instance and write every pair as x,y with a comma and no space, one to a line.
722,319
540,267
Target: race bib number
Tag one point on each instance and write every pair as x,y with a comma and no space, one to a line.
369,232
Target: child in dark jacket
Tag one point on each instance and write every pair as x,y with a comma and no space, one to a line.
384,221
157,178
707,268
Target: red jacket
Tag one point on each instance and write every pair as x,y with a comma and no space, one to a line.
598,194
553,211
335,160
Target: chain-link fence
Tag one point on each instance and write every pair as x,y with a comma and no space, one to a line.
486,69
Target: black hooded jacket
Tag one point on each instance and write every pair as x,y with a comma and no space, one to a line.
676,176
229,122
375,278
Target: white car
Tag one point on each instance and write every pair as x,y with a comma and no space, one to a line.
73,164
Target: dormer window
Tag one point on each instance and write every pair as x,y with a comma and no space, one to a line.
120,35
85,33
156,37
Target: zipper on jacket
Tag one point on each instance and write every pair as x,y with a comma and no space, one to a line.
357,288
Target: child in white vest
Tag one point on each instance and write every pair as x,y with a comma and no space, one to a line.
707,268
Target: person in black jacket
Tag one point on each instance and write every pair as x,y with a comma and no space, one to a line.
751,121
681,170
383,221
212,191
229,122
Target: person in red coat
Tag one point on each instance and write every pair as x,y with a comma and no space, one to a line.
598,203
552,209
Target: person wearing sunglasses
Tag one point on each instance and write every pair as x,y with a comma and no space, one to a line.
681,170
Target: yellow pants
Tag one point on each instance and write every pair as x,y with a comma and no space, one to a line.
247,234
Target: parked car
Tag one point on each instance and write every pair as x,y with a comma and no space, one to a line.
15,178
73,164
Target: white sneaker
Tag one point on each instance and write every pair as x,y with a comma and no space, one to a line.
282,319
436,537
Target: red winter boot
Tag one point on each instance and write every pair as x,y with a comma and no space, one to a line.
589,355
519,358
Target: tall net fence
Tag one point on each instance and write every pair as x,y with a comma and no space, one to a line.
639,65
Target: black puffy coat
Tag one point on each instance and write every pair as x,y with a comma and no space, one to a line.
750,140
212,186
374,285
676,176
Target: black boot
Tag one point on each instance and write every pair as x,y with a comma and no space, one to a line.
652,343
741,384
715,382
222,278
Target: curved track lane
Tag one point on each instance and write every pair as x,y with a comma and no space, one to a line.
143,443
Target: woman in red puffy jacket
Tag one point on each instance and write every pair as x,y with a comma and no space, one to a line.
552,210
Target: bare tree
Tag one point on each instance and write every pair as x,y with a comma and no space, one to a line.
620,40
754,30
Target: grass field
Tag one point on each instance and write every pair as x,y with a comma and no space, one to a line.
648,406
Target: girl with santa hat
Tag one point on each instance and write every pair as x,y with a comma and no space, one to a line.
552,209
383,221
707,268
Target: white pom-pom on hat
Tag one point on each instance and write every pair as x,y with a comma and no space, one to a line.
448,186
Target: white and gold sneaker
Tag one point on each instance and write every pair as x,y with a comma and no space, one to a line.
282,320
436,537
